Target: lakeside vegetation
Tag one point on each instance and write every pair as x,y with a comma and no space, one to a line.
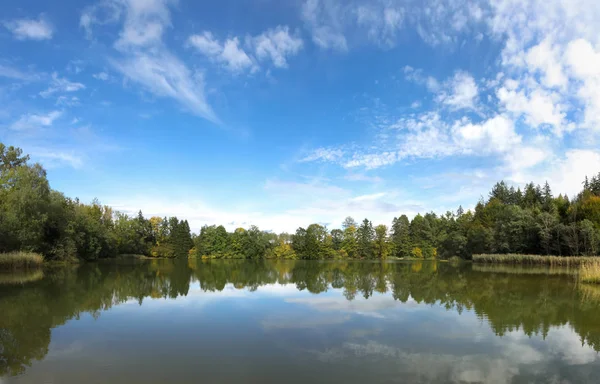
535,260
18,260
590,273
532,221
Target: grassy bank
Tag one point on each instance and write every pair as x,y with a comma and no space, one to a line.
536,260
17,260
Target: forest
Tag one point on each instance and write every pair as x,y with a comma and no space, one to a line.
36,218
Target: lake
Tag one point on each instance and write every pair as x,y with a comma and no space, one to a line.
297,322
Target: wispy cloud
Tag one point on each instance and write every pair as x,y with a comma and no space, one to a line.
17,74
229,53
30,29
60,85
324,21
462,92
143,57
324,154
164,75
335,24
101,76
275,45
34,121
52,159
103,13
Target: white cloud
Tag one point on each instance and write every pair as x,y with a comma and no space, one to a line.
229,53
164,75
30,29
539,107
584,62
323,19
458,92
274,45
332,23
33,121
52,159
144,59
59,84
381,22
417,76
68,101
206,44
102,13
566,174
544,58
462,92
428,135
277,45
372,160
524,157
145,23
17,74
323,154
494,135
101,76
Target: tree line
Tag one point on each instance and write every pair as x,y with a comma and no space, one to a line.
35,218
528,221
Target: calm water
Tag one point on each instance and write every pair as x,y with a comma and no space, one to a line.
297,322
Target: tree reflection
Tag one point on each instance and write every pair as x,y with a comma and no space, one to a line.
531,302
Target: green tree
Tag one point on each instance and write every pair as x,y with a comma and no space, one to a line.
400,238
366,235
350,243
381,244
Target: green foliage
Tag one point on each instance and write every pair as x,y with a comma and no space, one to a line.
34,218
417,253
349,242
401,239
381,245
366,236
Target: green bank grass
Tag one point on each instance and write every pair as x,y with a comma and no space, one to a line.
590,273
536,260
16,260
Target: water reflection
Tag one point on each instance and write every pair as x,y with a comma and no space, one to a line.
355,321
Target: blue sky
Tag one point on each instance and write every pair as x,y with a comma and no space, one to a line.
281,114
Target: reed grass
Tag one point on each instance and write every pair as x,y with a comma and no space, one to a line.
564,261
590,273
17,260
